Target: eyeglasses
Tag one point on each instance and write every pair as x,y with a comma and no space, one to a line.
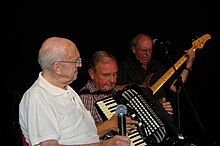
78,62
143,51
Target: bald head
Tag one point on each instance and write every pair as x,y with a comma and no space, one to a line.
140,38
53,49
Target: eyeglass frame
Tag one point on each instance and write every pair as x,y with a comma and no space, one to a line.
78,62
143,51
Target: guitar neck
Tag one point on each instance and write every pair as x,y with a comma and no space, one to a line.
197,44
155,87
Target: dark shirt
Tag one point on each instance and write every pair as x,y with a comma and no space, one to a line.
130,70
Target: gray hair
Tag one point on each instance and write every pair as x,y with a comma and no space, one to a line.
52,50
100,56
137,38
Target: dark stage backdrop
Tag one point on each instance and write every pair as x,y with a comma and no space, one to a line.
110,26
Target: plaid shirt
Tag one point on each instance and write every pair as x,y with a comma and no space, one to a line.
89,95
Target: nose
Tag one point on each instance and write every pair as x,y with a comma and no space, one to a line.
146,53
78,65
113,78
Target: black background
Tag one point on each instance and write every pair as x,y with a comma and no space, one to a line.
110,26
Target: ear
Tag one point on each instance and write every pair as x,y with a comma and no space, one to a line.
57,68
91,73
133,49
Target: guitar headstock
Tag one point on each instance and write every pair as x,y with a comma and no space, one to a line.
199,43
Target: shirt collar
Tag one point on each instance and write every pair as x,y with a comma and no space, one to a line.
52,89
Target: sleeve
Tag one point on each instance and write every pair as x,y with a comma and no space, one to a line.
40,117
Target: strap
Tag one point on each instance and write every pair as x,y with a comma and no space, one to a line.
87,91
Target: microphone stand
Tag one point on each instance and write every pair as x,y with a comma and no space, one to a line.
180,85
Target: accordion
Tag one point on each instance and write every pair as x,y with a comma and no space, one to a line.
155,125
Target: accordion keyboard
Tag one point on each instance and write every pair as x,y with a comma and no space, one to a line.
108,106
156,125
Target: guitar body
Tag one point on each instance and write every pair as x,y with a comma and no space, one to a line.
146,81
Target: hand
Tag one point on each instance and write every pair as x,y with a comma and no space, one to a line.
167,106
130,124
113,123
117,141
191,54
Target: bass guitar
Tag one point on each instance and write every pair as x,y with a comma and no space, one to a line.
197,44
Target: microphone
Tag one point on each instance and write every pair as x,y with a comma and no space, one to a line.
121,111
158,42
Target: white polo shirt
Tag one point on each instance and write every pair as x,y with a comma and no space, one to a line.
48,112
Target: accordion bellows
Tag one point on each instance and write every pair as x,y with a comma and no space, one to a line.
155,125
